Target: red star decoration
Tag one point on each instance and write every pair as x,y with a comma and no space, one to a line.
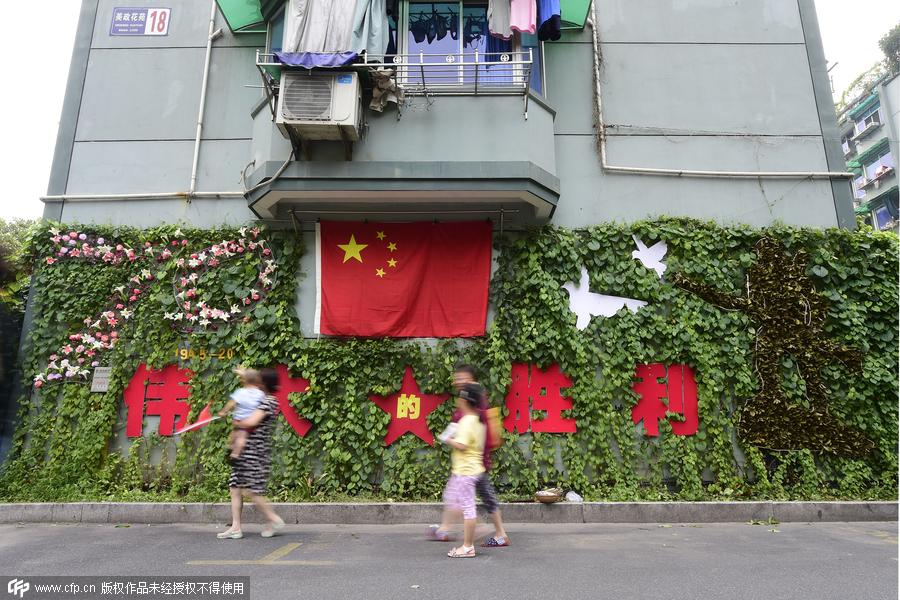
409,409
286,385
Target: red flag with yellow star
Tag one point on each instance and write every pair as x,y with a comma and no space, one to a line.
402,279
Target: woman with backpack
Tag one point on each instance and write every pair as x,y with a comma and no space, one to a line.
464,375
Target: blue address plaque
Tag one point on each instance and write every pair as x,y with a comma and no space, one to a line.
140,21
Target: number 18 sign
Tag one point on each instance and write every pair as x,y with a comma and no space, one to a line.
140,21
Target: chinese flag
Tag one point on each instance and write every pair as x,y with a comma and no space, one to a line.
403,279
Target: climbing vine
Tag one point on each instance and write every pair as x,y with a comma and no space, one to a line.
70,442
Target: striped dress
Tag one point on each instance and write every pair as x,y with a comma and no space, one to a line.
251,470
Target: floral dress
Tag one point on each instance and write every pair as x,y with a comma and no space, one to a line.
251,469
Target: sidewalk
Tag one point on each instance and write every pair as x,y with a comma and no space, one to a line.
416,513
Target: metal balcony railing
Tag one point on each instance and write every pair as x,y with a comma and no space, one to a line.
467,74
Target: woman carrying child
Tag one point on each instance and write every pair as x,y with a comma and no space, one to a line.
250,470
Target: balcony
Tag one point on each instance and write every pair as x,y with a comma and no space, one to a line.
430,75
467,141
868,130
883,172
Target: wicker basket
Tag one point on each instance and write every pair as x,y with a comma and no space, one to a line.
548,496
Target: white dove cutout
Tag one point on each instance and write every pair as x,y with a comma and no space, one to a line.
586,304
651,257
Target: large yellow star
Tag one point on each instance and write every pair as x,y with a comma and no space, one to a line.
392,246
379,272
380,235
392,263
352,249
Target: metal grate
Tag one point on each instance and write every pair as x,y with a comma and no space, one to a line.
307,97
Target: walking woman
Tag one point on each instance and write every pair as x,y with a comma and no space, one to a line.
250,471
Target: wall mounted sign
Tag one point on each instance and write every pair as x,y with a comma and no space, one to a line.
538,390
100,382
677,386
140,21
408,409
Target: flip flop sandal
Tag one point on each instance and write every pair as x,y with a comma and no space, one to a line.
496,542
460,553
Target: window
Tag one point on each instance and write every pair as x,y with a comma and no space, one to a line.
846,145
859,183
869,119
275,38
882,217
439,30
877,167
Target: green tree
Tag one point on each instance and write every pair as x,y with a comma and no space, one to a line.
890,45
15,268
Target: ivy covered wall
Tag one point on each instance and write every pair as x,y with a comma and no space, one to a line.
68,445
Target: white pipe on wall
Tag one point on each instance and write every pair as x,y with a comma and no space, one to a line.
212,35
601,132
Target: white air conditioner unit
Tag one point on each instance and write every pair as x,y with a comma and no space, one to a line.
319,105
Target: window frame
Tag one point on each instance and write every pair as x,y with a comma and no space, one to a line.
281,12
403,38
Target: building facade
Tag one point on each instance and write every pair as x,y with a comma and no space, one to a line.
730,88
869,127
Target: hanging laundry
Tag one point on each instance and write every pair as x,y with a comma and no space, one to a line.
549,21
498,19
522,16
320,26
370,28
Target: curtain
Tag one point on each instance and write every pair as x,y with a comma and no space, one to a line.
370,27
338,26
320,26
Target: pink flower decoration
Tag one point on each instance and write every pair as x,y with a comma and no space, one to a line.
100,240
240,249
63,250
95,363
213,262
184,242
80,360
73,235
50,260
38,384
133,299
119,247
246,301
114,334
267,252
120,306
54,357
104,338
79,349
112,322
82,237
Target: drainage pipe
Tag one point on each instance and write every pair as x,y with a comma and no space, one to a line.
212,35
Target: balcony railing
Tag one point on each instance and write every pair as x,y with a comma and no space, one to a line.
476,73
468,74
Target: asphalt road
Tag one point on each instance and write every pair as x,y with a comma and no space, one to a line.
792,561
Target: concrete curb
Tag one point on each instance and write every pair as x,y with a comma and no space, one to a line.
415,513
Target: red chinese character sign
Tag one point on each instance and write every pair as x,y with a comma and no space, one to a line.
165,393
286,385
409,409
160,393
676,385
540,391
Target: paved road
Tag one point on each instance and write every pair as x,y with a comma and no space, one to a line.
841,561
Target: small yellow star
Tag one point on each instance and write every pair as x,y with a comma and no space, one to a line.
380,235
379,272
352,249
392,263
392,246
